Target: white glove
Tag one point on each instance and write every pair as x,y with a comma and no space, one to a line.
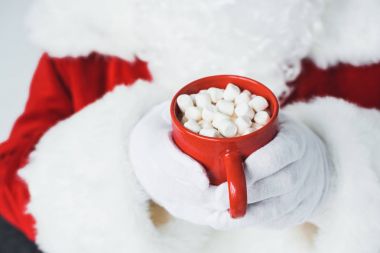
286,179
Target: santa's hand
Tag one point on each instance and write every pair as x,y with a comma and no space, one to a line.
171,178
287,180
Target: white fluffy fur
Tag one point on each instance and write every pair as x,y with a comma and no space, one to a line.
85,197
350,219
184,40
349,33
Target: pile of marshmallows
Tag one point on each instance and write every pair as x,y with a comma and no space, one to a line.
223,112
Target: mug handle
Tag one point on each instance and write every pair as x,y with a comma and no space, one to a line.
237,187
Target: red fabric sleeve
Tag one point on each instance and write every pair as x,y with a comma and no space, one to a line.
356,84
49,101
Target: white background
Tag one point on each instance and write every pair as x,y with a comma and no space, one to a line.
18,60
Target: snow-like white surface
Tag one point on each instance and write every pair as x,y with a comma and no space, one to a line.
17,62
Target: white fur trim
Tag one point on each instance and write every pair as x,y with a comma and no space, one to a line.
349,33
184,40
84,195
350,219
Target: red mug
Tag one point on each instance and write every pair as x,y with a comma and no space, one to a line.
223,158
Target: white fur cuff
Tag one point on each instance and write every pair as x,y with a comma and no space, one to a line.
84,194
350,221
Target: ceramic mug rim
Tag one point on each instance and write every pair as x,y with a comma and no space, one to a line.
182,128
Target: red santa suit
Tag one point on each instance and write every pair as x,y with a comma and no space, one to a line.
104,67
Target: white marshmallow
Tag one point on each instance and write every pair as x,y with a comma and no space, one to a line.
225,107
218,117
193,97
231,92
256,126
208,112
227,128
247,92
261,117
244,110
223,113
209,132
193,126
184,101
243,123
243,98
205,124
202,99
194,113
184,120
258,103
248,131
216,94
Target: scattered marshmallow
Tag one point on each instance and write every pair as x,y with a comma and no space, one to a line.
247,92
225,112
258,103
208,112
194,113
227,128
184,119
216,94
261,117
243,123
205,124
248,131
193,97
218,117
256,126
244,110
202,99
225,107
184,101
193,126
231,92
243,98
209,132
